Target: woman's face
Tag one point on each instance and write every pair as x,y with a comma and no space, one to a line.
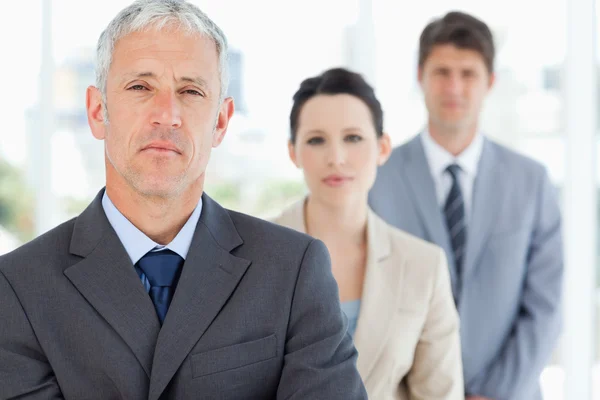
337,148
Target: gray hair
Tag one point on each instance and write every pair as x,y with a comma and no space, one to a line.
144,14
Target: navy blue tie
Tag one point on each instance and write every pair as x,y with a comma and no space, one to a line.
162,268
455,219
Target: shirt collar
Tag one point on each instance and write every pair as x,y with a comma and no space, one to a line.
439,158
137,244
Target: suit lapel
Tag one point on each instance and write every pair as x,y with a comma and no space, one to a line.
378,304
107,279
488,192
209,277
417,173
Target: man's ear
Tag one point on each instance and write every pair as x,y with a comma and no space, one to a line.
95,112
225,113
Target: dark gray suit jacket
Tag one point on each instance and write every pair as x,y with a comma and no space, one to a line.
255,316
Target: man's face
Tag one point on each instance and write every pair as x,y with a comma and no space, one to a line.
455,83
164,115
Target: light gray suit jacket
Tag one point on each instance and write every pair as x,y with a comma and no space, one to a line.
510,291
255,316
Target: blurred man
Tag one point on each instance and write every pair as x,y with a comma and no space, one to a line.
494,211
155,291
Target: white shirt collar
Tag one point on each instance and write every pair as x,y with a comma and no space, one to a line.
137,244
439,158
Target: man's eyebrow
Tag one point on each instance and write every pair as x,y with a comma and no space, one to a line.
147,74
197,80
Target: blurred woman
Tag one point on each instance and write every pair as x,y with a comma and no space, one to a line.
393,287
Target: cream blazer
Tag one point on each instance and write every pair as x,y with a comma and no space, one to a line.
407,335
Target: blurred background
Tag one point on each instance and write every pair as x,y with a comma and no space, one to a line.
543,105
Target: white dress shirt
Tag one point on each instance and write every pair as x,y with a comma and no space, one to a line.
137,244
438,159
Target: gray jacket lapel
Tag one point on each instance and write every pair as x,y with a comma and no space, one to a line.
209,277
488,194
107,279
418,175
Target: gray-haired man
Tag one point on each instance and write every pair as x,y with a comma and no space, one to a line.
155,291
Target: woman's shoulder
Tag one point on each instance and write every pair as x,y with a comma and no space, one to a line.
417,253
292,216
407,241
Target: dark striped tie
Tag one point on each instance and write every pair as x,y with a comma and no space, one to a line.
455,219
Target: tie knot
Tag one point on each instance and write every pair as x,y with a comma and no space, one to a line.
162,268
453,169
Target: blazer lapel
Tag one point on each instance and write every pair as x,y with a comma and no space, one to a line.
488,192
107,279
378,303
417,173
209,277
380,287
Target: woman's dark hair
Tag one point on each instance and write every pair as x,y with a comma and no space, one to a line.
336,81
461,30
